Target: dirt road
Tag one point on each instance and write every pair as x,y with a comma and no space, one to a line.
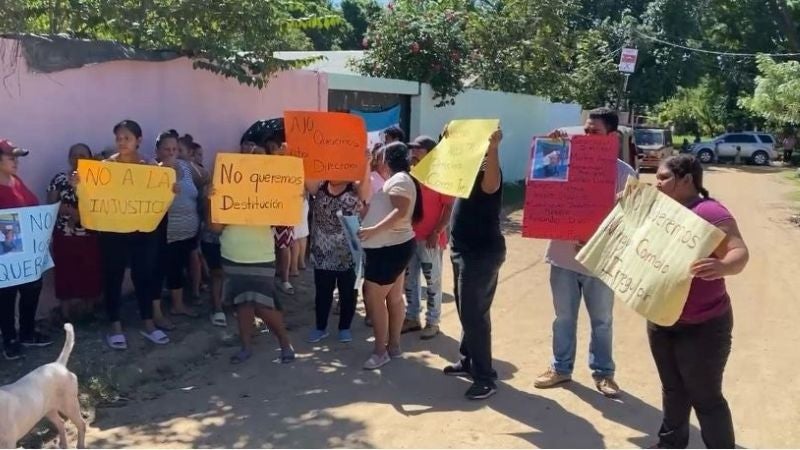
325,399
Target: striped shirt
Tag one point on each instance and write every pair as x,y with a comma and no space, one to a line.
183,219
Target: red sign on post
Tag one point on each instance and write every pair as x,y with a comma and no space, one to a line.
570,186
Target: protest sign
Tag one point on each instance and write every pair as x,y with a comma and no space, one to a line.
350,225
257,190
644,248
333,145
570,186
123,198
452,167
25,235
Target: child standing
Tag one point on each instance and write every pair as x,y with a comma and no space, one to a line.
248,261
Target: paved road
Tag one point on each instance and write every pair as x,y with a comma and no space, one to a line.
325,399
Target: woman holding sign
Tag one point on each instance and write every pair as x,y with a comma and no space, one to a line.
139,249
334,266
388,239
691,355
14,194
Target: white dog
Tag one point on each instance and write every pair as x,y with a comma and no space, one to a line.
47,391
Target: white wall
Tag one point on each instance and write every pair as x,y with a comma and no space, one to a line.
521,117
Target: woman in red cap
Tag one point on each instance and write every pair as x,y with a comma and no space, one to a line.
14,194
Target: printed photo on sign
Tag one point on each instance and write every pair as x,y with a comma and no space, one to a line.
10,234
550,160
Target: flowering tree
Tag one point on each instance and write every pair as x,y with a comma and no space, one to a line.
419,40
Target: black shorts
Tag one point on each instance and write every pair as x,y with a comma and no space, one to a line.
385,264
212,254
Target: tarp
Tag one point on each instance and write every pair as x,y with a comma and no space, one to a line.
49,54
378,121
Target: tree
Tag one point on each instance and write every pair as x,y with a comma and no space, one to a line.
358,14
777,93
420,40
701,108
234,38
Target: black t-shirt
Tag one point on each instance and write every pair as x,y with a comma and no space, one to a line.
475,222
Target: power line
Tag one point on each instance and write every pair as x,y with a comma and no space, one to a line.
711,52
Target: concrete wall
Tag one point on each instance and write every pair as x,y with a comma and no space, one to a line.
521,117
46,113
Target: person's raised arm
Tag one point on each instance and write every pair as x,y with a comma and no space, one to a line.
312,186
730,257
364,186
491,175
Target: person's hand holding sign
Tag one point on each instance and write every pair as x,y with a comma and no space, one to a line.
708,269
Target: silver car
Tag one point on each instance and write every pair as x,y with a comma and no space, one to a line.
758,148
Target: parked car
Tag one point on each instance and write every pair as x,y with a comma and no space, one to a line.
653,145
758,148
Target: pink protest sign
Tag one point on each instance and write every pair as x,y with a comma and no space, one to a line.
570,186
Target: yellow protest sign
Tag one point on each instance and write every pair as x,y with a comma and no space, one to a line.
452,167
123,198
644,248
257,190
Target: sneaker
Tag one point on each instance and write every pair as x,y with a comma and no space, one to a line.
36,340
377,361
410,325
429,332
459,369
287,355
550,378
345,336
285,287
479,391
12,351
316,336
607,386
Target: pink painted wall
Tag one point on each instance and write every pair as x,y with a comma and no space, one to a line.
47,113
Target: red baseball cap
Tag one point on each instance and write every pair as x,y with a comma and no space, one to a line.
8,148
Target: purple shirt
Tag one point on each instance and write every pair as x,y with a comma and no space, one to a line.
707,299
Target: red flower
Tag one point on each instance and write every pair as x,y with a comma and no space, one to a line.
414,47
365,42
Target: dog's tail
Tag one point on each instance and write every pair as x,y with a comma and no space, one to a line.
69,342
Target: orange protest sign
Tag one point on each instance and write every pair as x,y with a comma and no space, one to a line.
333,145
257,190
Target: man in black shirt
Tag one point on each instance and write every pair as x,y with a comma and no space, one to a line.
478,250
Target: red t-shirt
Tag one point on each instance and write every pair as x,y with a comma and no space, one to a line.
432,205
17,195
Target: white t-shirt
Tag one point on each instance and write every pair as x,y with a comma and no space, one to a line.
380,206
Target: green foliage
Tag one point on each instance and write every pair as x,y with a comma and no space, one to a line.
700,109
233,38
777,92
420,40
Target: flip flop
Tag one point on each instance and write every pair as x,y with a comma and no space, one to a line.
218,319
117,341
157,337
241,356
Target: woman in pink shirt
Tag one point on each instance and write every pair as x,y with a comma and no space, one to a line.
691,354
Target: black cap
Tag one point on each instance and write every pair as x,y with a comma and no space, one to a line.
426,142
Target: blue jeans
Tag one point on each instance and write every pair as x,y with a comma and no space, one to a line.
568,287
429,262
